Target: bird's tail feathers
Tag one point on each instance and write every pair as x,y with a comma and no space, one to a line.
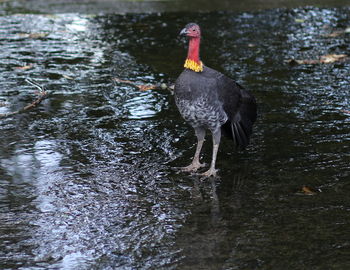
239,132
240,128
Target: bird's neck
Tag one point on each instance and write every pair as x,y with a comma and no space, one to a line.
192,61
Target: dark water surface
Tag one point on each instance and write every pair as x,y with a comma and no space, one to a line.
86,179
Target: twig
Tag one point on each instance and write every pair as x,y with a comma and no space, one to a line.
42,94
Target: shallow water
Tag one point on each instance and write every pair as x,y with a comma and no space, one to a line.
86,179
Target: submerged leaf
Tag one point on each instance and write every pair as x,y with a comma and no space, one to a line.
306,190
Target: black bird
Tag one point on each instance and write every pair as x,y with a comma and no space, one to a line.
208,99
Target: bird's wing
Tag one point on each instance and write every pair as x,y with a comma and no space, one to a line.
240,107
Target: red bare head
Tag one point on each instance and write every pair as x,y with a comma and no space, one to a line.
191,30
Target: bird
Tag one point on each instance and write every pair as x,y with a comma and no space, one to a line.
210,100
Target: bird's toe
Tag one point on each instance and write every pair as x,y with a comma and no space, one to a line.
209,173
193,167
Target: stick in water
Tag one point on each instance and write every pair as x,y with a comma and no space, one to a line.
41,96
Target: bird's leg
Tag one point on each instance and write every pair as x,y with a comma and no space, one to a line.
216,142
195,165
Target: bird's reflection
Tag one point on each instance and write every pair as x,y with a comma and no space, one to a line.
208,236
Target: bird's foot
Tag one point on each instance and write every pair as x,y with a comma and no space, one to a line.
193,167
209,173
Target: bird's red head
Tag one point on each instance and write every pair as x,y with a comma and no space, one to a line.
191,30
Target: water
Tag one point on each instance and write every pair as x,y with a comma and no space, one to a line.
86,179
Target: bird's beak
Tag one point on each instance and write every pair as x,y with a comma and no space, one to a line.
183,32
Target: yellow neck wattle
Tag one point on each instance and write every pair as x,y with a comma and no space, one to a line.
193,65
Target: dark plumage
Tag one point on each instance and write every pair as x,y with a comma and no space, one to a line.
207,99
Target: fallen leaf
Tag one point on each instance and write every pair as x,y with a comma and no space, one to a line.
347,30
331,58
25,67
145,87
142,87
324,59
335,34
33,35
345,111
299,20
38,35
306,190
67,77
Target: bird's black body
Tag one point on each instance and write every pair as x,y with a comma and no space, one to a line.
211,100
208,99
